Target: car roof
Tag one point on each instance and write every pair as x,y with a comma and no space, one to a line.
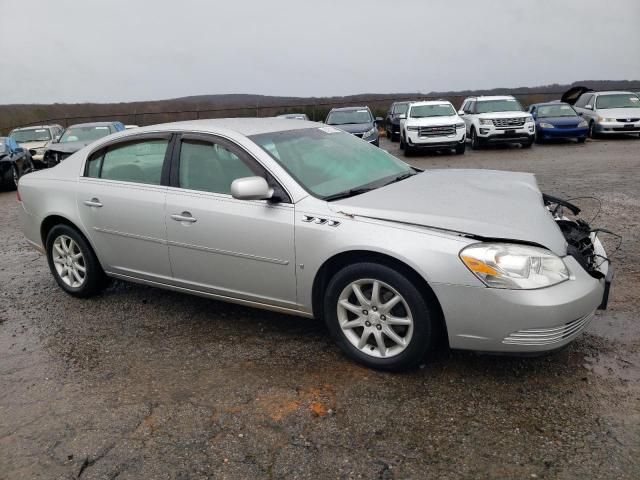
430,102
618,92
493,97
33,127
343,109
243,126
553,102
93,124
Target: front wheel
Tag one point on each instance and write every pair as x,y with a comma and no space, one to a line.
460,149
527,144
378,317
592,129
475,141
73,263
402,144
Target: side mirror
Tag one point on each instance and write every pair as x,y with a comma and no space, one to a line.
402,116
588,107
461,113
251,188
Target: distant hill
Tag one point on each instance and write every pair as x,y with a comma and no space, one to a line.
234,105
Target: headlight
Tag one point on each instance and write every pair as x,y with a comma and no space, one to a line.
486,121
415,129
602,119
369,133
546,125
529,120
583,124
459,125
506,265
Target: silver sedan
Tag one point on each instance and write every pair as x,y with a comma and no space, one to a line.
303,218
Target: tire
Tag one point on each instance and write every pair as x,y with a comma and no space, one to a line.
60,258
584,139
527,144
475,141
408,150
412,310
460,149
402,144
15,177
592,130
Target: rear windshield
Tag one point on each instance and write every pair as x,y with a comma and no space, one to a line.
440,110
619,100
488,106
401,108
546,111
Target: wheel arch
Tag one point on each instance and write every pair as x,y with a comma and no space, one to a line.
52,220
332,265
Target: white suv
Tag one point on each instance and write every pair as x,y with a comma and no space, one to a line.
434,125
498,119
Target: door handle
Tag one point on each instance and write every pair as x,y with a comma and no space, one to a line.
184,217
94,202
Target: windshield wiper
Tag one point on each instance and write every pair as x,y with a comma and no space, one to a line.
348,193
400,177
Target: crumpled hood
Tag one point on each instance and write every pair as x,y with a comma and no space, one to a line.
67,147
34,144
619,112
486,203
355,127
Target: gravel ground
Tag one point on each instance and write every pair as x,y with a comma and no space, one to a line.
145,383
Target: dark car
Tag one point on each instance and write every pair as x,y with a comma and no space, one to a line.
76,137
558,120
358,121
392,120
15,161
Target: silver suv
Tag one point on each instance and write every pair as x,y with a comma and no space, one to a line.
306,219
610,113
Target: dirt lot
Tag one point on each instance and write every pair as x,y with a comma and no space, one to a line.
144,383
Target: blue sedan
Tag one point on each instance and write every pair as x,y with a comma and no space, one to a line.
558,120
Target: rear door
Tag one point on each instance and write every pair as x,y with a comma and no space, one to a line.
233,248
121,200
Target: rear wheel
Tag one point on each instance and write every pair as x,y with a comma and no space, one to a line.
378,317
73,262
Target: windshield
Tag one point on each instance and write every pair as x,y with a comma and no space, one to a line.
619,100
327,161
84,134
546,111
31,135
440,110
401,108
488,106
343,117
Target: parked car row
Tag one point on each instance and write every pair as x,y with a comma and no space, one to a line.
485,120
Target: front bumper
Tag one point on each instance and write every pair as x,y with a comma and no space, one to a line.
521,321
617,128
446,141
493,134
551,133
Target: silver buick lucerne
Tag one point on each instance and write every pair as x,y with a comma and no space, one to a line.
306,219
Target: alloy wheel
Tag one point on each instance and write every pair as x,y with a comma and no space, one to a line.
375,318
69,261
16,178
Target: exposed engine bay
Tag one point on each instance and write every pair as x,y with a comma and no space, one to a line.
579,234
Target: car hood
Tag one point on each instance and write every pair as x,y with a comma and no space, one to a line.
619,112
67,147
355,127
515,114
572,95
485,203
35,144
428,121
557,121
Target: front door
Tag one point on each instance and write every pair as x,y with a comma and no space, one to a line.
121,202
234,248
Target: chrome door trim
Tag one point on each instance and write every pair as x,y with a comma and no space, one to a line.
200,293
248,256
131,235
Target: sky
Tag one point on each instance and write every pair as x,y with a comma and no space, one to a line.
128,50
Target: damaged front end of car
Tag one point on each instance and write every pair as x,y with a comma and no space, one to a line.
583,243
